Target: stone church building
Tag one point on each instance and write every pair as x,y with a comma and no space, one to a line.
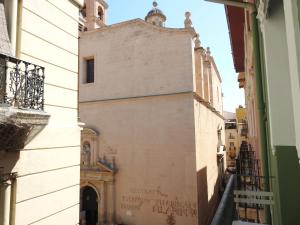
151,101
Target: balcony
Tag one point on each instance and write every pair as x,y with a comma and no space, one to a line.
21,102
246,199
21,83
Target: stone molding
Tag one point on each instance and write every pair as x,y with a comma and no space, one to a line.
18,127
262,12
190,30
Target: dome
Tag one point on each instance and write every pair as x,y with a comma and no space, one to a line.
155,12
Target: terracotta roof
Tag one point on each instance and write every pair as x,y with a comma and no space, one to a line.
236,21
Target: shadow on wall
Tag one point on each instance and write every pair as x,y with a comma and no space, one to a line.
8,160
206,207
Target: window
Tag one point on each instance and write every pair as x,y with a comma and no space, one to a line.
100,13
90,71
82,12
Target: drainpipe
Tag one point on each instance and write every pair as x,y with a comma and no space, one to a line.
259,89
19,28
13,191
7,198
4,202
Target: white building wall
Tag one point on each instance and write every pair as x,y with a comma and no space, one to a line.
278,81
293,44
48,168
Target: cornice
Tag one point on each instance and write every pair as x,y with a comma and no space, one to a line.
78,3
146,24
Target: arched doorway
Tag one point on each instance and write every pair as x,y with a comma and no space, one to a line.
89,205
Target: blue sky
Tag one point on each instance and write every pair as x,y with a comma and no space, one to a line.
209,21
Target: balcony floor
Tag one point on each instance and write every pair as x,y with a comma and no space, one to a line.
245,223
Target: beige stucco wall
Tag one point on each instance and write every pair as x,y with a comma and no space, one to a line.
231,133
142,105
136,59
206,127
251,96
153,142
207,79
199,79
217,90
48,168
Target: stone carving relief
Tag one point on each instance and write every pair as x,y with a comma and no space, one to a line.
86,154
89,147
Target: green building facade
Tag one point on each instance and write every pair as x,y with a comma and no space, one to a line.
279,57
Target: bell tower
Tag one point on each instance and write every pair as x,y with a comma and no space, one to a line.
94,13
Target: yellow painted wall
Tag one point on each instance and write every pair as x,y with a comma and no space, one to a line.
240,114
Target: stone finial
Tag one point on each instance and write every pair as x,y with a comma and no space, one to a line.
187,22
197,42
154,4
208,52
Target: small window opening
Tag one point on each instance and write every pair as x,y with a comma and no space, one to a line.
83,11
100,13
90,71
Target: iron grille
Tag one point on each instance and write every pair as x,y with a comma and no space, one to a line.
21,83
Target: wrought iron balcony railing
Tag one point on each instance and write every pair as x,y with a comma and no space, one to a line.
21,83
244,201
247,198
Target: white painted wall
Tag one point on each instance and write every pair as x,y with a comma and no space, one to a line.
48,168
293,44
278,80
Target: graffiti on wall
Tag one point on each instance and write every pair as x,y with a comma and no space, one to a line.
171,220
175,207
145,191
159,203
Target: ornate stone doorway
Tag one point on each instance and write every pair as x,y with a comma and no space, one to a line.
89,206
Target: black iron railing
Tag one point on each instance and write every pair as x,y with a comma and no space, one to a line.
252,198
246,197
226,213
21,83
251,192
